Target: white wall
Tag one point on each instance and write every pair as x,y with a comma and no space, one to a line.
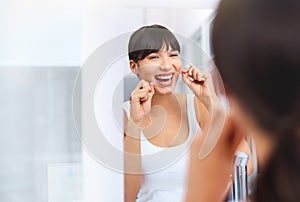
40,32
40,52
65,32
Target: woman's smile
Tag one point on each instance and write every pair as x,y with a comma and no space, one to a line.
164,80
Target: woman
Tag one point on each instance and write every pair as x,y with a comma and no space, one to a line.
256,50
159,120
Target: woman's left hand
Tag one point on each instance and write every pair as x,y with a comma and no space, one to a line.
199,82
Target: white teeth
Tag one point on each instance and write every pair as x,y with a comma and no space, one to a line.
164,77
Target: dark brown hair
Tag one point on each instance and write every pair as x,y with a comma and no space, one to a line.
256,48
150,39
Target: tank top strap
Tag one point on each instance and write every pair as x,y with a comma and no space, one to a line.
126,108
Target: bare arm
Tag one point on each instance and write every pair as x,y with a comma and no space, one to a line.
132,161
209,178
202,114
205,115
140,106
207,105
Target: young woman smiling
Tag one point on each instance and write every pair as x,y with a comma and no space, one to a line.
157,120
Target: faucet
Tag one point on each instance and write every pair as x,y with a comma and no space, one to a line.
239,191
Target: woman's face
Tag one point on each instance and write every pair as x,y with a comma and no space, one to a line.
161,68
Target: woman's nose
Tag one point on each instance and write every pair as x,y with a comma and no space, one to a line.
166,64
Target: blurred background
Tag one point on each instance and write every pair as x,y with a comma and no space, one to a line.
43,44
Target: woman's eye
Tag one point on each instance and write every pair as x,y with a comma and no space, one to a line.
174,55
153,57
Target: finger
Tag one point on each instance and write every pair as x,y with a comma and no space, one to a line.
185,70
151,89
137,95
145,85
142,84
150,93
190,71
134,94
186,79
195,73
200,77
144,98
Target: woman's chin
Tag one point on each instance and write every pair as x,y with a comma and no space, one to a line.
164,90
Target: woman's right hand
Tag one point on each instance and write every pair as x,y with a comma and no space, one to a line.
140,102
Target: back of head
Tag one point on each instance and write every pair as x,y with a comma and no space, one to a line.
149,39
256,47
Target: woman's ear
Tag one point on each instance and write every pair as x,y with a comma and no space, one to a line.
133,66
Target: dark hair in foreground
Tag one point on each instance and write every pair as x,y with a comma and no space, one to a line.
256,44
150,39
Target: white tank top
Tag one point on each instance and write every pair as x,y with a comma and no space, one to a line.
165,169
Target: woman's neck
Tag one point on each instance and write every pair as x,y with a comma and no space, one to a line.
170,102
164,99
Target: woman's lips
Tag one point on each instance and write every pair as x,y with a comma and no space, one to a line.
164,80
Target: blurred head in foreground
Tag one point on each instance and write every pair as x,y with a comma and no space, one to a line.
256,46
